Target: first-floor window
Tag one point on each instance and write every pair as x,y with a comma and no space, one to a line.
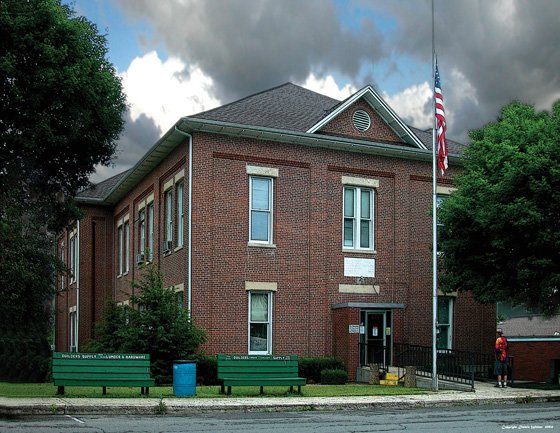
73,319
445,322
260,322
180,214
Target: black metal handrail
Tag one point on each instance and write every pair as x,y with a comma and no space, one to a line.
456,366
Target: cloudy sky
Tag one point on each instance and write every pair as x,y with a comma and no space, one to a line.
180,57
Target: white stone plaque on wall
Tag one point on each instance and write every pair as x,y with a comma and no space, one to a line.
359,267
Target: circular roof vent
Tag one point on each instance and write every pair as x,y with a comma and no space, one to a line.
361,120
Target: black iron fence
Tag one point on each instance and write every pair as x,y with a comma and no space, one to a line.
452,365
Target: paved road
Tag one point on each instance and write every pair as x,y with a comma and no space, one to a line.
542,417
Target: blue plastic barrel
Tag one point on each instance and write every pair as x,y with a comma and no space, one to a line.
184,378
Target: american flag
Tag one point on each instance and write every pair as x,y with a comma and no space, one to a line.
440,125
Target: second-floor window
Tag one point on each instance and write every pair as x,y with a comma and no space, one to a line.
151,231
260,209
180,214
169,216
358,218
142,232
73,258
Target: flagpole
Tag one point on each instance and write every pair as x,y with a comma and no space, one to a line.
434,222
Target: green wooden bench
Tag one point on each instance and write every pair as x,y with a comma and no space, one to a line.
258,370
101,369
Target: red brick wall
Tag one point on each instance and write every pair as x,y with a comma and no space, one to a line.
345,345
307,262
532,359
95,276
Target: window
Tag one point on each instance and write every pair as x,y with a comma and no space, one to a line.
142,233
358,218
73,246
73,319
169,216
151,231
121,249
180,214
62,260
126,246
179,298
445,322
260,322
439,225
260,209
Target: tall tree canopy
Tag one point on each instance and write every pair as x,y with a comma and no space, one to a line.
61,102
61,112
501,228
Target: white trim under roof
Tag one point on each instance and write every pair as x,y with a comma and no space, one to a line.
381,108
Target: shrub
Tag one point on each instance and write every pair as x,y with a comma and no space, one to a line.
159,327
334,377
311,368
206,369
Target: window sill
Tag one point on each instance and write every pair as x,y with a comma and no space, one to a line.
167,253
355,251
260,245
180,247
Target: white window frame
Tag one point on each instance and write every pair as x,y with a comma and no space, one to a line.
356,218
73,331
449,323
180,214
169,215
62,258
73,251
142,231
268,322
269,211
126,246
120,241
151,230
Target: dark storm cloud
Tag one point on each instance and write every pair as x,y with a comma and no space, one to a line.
137,138
506,50
248,46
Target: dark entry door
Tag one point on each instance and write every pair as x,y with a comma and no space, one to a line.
375,337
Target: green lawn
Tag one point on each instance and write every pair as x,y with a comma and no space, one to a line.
49,390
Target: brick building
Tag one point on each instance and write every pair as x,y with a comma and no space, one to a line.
287,222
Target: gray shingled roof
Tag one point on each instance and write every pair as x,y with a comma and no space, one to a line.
536,326
288,107
100,190
426,138
292,108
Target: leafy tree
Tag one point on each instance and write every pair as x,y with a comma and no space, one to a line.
158,326
501,233
61,103
61,110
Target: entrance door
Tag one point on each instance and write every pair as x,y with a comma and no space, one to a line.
376,343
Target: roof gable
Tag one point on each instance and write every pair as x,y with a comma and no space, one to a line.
381,108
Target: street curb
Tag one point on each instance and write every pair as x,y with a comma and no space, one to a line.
173,406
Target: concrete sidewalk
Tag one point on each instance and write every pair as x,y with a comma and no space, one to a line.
485,393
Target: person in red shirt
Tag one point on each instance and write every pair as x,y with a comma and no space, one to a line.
501,365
